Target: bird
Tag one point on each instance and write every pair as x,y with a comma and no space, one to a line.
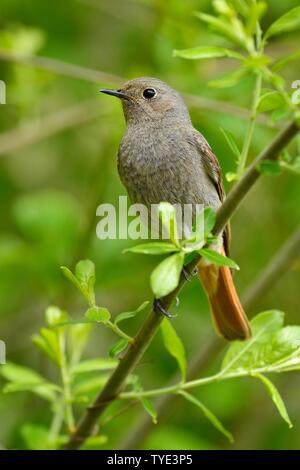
162,157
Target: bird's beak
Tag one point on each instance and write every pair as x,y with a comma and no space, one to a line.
118,93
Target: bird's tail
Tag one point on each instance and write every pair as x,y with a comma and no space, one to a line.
227,312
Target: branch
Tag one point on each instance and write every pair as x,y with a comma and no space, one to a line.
60,67
96,76
151,325
34,131
274,270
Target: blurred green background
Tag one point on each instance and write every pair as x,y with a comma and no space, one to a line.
55,172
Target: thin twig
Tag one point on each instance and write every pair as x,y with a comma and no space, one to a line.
96,76
37,130
59,67
274,270
152,323
251,126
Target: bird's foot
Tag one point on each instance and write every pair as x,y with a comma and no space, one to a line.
158,308
188,276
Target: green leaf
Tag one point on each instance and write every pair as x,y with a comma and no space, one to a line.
167,216
48,343
165,277
147,404
225,29
119,347
208,414
88,385
35,436
155,248
256,62
223,7
231,176
84,279
44,390
94,442
126,315
216,258
85,273
24,379
284,61
202,226
281,114
269,167
82,322
149,408
174,345
85,270
206,52
275,79
92,365
69,275
78,337
97,314
231,142
242,7
209,220
283,350
256,351
276,398
230,79
256,10
293,168
290,21
20,374
269,101
55,315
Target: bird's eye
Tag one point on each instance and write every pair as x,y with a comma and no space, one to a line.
149,93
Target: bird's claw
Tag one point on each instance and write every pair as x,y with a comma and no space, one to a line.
158,308
187,275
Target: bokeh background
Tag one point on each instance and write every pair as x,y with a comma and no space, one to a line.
58,145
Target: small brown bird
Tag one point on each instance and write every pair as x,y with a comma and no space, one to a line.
163,158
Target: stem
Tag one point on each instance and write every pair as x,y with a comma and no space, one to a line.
280,89
66,385
274,270
251,126
290,168
253,115
38,129
118,331
151,325
220,376
57,422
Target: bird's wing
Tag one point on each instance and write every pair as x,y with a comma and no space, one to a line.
212,168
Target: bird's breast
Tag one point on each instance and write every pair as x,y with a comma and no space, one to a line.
158,164
144,151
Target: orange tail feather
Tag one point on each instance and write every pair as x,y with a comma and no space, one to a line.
227,312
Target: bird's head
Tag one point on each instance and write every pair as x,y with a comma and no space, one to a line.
147,98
